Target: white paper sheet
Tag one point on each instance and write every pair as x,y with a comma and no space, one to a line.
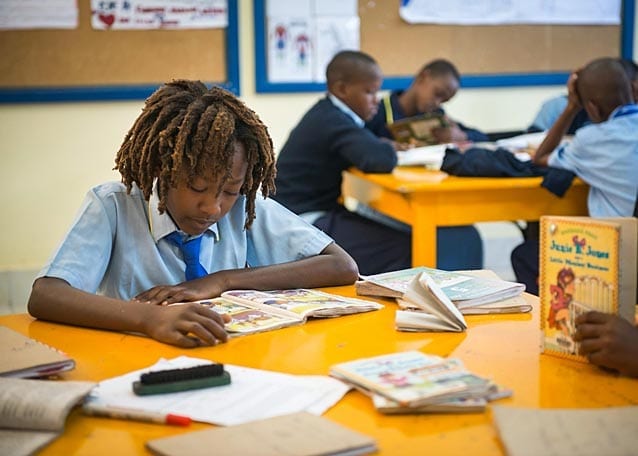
253,394
38,14
492,12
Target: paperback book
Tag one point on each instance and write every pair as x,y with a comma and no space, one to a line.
585,264
412,378
467,289
253,311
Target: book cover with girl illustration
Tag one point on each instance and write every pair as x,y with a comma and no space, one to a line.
585,264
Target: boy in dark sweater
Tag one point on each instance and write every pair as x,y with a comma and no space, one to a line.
329,139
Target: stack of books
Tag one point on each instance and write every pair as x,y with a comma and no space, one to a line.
413,382
435,300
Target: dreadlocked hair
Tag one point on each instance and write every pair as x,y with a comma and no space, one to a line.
187,130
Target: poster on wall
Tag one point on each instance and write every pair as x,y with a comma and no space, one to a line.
158,14
304,35
38,14
497,12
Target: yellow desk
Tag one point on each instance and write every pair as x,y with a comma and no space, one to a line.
413,196
504,347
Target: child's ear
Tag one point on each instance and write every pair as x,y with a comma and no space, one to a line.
339,88
593,111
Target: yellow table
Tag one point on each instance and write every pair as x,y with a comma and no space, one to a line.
419,198
503,347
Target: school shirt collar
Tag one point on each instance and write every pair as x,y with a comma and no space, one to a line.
631,108
346,110
161,225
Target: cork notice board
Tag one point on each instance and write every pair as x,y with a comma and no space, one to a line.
83,59
501,55
402,48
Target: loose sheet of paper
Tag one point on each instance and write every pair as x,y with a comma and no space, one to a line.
252,394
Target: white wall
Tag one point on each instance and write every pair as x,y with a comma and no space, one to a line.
52,153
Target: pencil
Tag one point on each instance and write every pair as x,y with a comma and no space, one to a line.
136,415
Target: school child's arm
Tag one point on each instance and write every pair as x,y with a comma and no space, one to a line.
332,267
450,133
608,341
189,325
560,127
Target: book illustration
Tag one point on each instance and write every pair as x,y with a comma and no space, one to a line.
581,269
253,311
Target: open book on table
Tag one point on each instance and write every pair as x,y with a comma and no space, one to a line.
253,311
33,412
469,290
412,379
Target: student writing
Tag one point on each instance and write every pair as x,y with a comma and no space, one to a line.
329,139
192,166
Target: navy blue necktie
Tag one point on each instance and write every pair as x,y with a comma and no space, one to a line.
190,250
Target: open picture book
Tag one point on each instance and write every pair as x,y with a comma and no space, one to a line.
412,379
418,130
253,311
472,292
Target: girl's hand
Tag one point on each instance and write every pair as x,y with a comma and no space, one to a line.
186,325
210,286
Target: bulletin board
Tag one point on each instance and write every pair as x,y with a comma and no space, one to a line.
88,64
486,56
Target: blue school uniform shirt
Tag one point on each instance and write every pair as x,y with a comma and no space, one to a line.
117,244
605,155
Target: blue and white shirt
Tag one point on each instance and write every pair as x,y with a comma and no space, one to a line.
605,155
117,246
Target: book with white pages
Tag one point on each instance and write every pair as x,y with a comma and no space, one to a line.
440,313
465,288
429,156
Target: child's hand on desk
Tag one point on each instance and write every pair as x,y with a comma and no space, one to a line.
608,341
186,325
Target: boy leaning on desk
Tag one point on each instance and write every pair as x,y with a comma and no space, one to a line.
605,155
183,225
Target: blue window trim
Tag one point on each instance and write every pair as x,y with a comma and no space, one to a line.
130,92
262,84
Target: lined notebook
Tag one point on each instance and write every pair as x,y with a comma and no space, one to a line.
297,434
23,357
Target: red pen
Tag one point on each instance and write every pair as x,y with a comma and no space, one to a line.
137,415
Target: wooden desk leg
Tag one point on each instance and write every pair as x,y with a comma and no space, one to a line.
424,237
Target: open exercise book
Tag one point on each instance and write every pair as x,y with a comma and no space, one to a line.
253,311
413,382
473,292
34,412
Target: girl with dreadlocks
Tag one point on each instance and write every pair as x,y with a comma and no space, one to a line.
184,224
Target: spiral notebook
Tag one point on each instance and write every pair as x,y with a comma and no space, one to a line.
23,357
